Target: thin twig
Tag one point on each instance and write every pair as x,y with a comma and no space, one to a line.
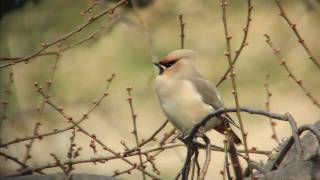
151,138
243,44
4,103
14,159
293,26
89,10
64,169
97,158
92,35
40,110
167,136
67,35
291,75
151,160
117,173
226,170
57,131
228,37
221,149
101,158
128,171
79,128
208,158
70,46
135,131
71,149
230,147
49,82
182,34
272,123
27,155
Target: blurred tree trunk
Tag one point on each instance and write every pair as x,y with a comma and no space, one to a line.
292,168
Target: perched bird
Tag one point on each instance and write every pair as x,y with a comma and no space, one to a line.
186,97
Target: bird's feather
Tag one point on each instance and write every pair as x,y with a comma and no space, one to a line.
230,120
208,91
210,96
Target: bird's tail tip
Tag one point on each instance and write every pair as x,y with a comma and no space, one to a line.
235,139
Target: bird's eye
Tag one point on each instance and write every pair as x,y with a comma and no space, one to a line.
168,65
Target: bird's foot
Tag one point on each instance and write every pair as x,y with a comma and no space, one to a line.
201,131
184,137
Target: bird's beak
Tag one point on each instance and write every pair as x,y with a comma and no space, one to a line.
157,64
161,68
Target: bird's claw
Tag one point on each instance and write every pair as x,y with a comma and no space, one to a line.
184,137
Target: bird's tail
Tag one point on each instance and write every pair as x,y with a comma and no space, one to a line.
235,160
234,138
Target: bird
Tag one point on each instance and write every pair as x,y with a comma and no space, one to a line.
186,97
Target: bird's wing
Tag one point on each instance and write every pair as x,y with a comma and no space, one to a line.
210,95
208,92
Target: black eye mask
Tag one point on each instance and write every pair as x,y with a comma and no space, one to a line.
168,65
163,66
160,66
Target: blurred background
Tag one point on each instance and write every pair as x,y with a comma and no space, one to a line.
124,47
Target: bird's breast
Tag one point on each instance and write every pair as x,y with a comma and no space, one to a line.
181,103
